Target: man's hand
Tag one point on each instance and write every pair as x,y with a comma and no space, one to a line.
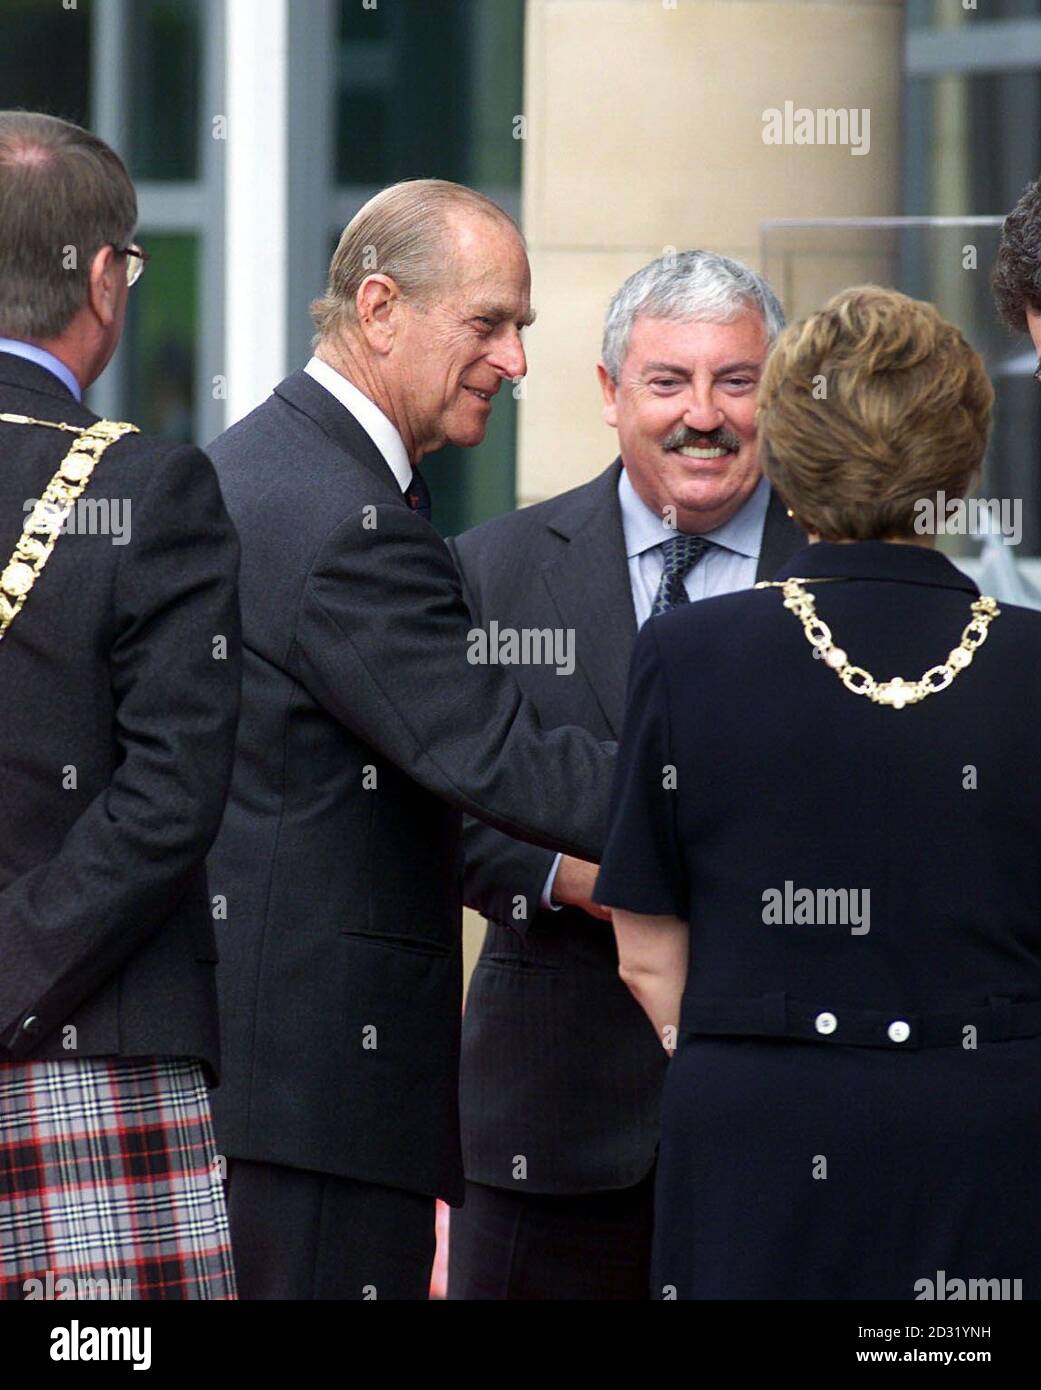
573,886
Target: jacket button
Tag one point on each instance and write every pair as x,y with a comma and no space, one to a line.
899,1031
30,1024
825,1023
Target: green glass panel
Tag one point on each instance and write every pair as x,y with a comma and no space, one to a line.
166,76
943,14
429,90
160,337
432,90
45,58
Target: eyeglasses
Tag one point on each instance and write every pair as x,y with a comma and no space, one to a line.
136,261
1037,374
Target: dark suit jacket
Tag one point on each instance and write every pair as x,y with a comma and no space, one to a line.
365,734
558,1061
109,669
933,809
931,1131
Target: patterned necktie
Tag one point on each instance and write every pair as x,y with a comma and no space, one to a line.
681,553
417,494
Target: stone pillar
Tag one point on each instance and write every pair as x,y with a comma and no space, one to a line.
645,123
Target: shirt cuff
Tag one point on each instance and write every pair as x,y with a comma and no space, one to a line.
546,902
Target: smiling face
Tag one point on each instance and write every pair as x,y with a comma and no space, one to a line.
684,407
455,349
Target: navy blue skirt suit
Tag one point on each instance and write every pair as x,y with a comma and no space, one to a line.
849,1112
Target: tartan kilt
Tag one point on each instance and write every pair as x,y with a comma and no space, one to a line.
108,1182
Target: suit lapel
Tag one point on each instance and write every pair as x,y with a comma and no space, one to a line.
589,586
781,538
313,400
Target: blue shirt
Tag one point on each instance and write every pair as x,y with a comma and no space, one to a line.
31,353
729,564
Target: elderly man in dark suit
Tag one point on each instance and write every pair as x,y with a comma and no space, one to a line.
119,681
366,733
560,1074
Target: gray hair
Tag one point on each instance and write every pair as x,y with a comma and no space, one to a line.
64,194
687,286
402,232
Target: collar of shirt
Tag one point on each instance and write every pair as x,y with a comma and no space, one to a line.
31,353
644,529
369,416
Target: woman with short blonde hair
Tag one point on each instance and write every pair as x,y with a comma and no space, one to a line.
824,860
868,406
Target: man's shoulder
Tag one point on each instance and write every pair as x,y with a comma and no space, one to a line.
131,457
277,460
257,437
152,451
567,510
292,488
276,440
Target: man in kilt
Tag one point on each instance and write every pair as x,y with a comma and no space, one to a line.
119,689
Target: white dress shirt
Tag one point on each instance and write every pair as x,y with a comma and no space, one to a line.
372,420
729,564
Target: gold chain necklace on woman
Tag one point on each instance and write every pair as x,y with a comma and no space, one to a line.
896,693
48,516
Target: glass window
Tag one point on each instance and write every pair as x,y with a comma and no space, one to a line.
432,91
160,338
925,14
164,93
973,142
45,59
429,91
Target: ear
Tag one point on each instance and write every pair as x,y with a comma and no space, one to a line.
378,304
107,270
610,394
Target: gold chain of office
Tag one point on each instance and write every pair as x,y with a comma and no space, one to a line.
897,692
44,524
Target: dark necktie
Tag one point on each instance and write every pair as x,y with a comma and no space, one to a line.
681,553
417,494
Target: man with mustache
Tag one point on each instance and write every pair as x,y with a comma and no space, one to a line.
561,1073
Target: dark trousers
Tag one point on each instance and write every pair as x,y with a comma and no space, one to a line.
505,1244
302,1235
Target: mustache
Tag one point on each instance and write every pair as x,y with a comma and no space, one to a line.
684,438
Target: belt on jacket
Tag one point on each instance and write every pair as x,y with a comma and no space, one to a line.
779,1016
